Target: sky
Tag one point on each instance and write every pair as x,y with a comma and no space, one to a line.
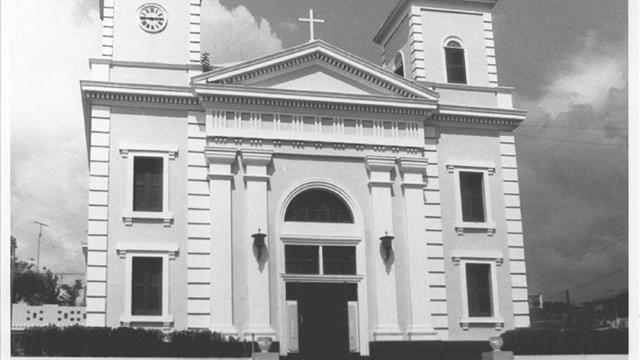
567,60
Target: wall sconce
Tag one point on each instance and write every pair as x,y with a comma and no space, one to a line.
258,242
386,244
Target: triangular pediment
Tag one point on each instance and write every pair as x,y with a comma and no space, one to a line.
317,67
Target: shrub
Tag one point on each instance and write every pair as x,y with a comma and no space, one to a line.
540,341
82,341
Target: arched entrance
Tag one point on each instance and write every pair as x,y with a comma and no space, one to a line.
322,270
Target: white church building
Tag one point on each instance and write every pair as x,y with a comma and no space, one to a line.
309,195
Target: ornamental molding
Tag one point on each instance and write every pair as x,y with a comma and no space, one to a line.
124,248
333,103
474,120
256,157
413,165
221,156
476,255
318,51
380,163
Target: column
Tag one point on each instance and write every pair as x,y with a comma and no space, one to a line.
256,218
220,181
420,326
380,168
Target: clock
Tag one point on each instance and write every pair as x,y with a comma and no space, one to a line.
152,18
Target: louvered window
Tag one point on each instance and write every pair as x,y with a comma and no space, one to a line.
146,288
454,56
472,196
147,183
479,290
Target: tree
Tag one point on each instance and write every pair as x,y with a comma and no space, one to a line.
32,286
205,61
72,293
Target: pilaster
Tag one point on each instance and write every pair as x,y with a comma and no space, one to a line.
220,182
386,302
198,227
435,244
256,180
416,42
98,216
420,326
515,237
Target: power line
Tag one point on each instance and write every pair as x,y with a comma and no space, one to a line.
574,127
584,256
571,141
589,282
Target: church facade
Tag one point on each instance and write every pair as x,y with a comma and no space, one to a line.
309,195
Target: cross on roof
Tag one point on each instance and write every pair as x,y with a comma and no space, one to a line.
311,20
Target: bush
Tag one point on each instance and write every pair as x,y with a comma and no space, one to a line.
82,341
539,341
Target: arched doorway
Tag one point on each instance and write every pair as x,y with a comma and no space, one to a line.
322,268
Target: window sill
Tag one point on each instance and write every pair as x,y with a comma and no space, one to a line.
490,227
166,216
165,320
498,321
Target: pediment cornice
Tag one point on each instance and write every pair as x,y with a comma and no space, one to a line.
317,51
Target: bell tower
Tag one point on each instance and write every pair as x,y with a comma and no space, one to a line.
441,41
148,36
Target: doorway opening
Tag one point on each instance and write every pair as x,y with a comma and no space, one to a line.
326,319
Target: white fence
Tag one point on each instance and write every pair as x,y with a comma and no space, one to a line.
25,316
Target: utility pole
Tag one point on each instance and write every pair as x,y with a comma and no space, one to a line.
39,239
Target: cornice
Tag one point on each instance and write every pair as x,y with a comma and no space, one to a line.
317,51
465,87
151,65
237,94
107,91
401,4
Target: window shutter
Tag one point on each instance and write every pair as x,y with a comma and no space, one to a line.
354,338
292,320
148,182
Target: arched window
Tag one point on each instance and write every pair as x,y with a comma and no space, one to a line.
454,57
398,65
318,206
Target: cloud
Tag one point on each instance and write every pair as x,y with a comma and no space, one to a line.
289,26
585,77
48,159
573,173
231,35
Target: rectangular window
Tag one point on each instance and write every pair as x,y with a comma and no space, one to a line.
479,290
455,66
472,196
146,287
339,260
147,183
301,259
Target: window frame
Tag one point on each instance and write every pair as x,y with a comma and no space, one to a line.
492,258
487,170
396,65
320,257
129,153
462,47
128,251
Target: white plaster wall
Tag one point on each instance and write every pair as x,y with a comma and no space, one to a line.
131,43
398,41
148,127
482,146
469,27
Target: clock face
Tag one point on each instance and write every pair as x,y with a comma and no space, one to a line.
152,18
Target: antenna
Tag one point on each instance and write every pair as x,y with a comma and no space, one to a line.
39,239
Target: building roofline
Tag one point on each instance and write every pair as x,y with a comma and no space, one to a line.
401,4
